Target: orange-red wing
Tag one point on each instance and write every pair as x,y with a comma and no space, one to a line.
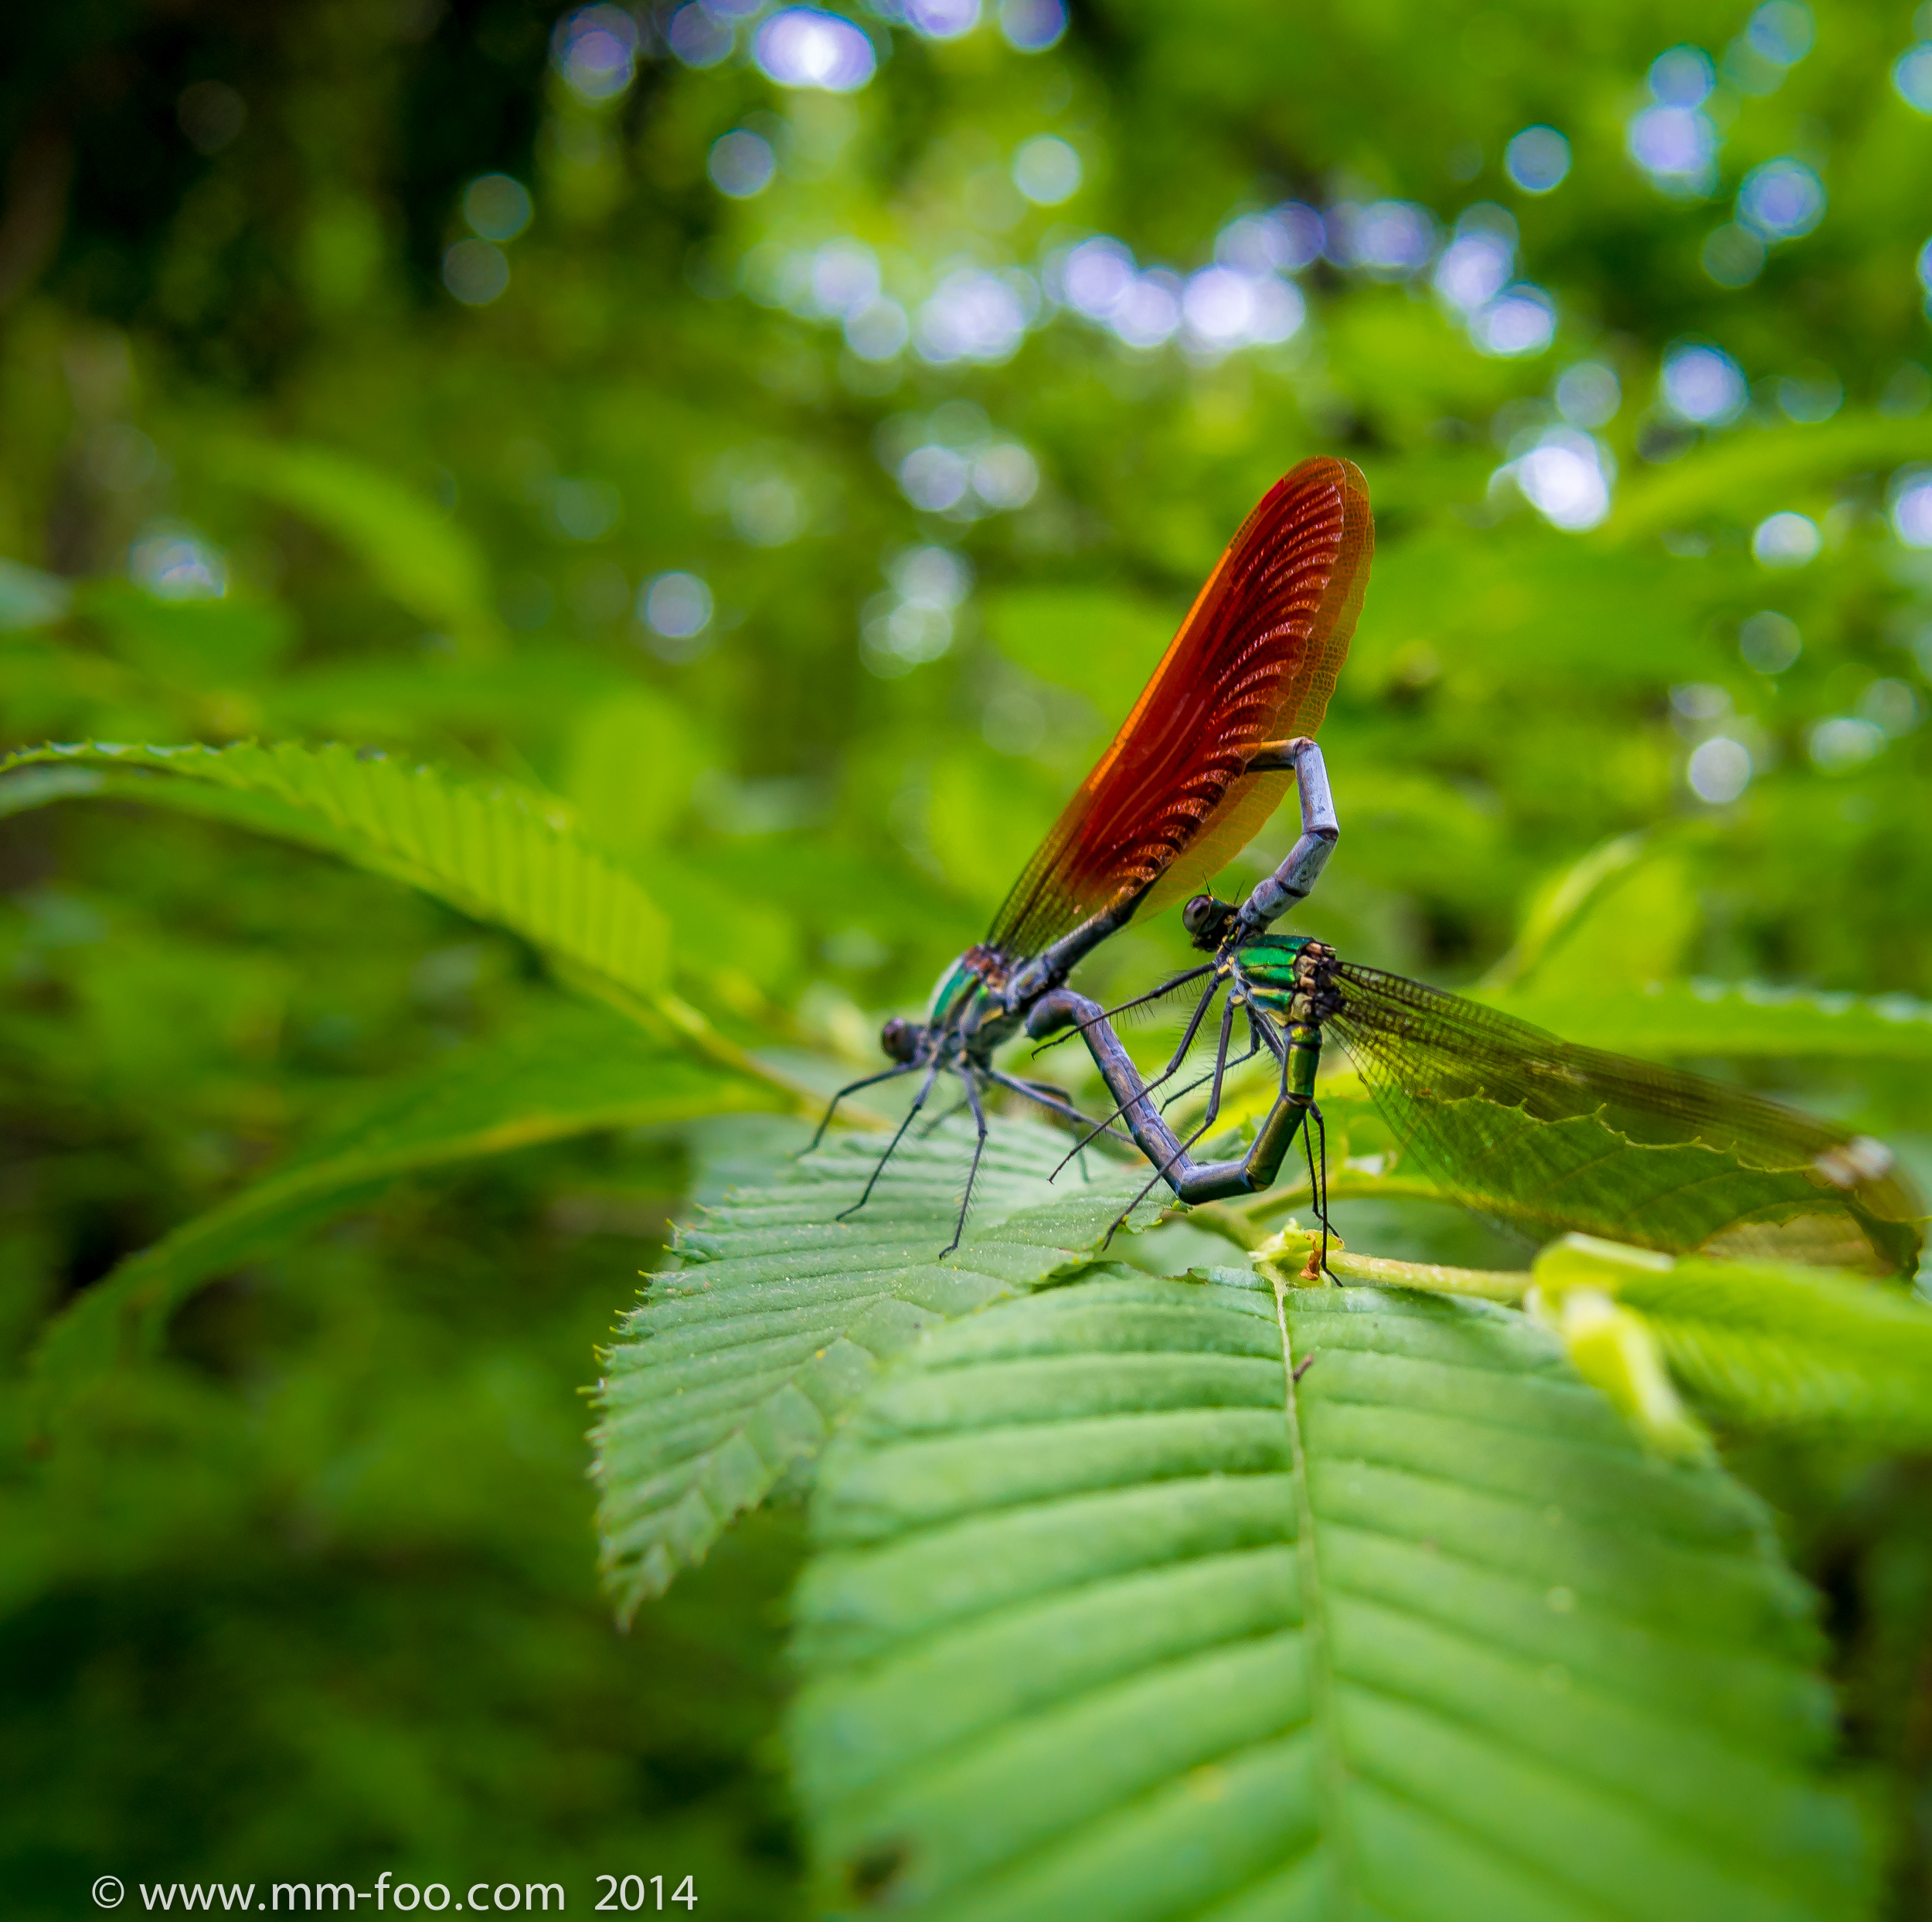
1256,660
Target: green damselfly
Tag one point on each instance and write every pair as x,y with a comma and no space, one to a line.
1540,1133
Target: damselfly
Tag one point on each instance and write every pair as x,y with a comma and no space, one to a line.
1533,1130
1197,768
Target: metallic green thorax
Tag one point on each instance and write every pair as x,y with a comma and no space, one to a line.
967,1004
1283,976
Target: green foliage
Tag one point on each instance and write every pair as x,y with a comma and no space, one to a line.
747,1356
317,1197
1112,1615
570,1072
413,552
1770,1346
501,854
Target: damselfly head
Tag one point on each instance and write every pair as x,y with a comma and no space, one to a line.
900,1038
1206,920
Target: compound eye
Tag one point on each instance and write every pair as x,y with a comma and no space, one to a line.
899,1039
1200,913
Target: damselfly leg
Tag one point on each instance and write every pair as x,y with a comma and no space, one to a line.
1167,1074
1207,1120
852,1087
899,1134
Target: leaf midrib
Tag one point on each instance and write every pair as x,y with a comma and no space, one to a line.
1330,1768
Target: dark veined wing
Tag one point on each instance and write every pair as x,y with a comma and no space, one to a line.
1256,660
1550,1136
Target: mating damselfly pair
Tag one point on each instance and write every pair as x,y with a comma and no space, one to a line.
1538,1132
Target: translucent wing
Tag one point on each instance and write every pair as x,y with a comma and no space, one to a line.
1256,660
1551,1137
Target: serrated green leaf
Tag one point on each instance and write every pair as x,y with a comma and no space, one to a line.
1111,1617
571,1073
502,854
740,1363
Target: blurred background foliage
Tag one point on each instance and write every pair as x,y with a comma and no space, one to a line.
798,480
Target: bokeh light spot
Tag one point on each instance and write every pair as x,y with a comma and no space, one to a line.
1032,26
976,316
1521,321
1388,239
1537,159
803,46
1733,255
584,509
1283,240
1095,276
1720,770
211,114
595,51
1477,264
1781,199
1786,540
942,19
934,477
1846,743
1703,384
173,563
1811,397
496,207
1912,76
767,512
741,163
1770,642
1893,705
1588,394
676,606
1005,476
698,38
1911,491
1781,32
475,271
1681,77
878,331
1047,171
1566,478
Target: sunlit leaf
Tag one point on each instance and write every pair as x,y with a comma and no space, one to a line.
1771,1346
742,1362
502,854
1113,1617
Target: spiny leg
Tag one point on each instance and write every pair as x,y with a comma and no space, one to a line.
1207,1121
1191,1182
1318,1185
892,1147
1140,1001
1056,1102
979,1149
928,1129
1166,1074
1240,1061
852,1087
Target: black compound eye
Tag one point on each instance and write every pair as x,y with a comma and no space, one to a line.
1201,913
899,1039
